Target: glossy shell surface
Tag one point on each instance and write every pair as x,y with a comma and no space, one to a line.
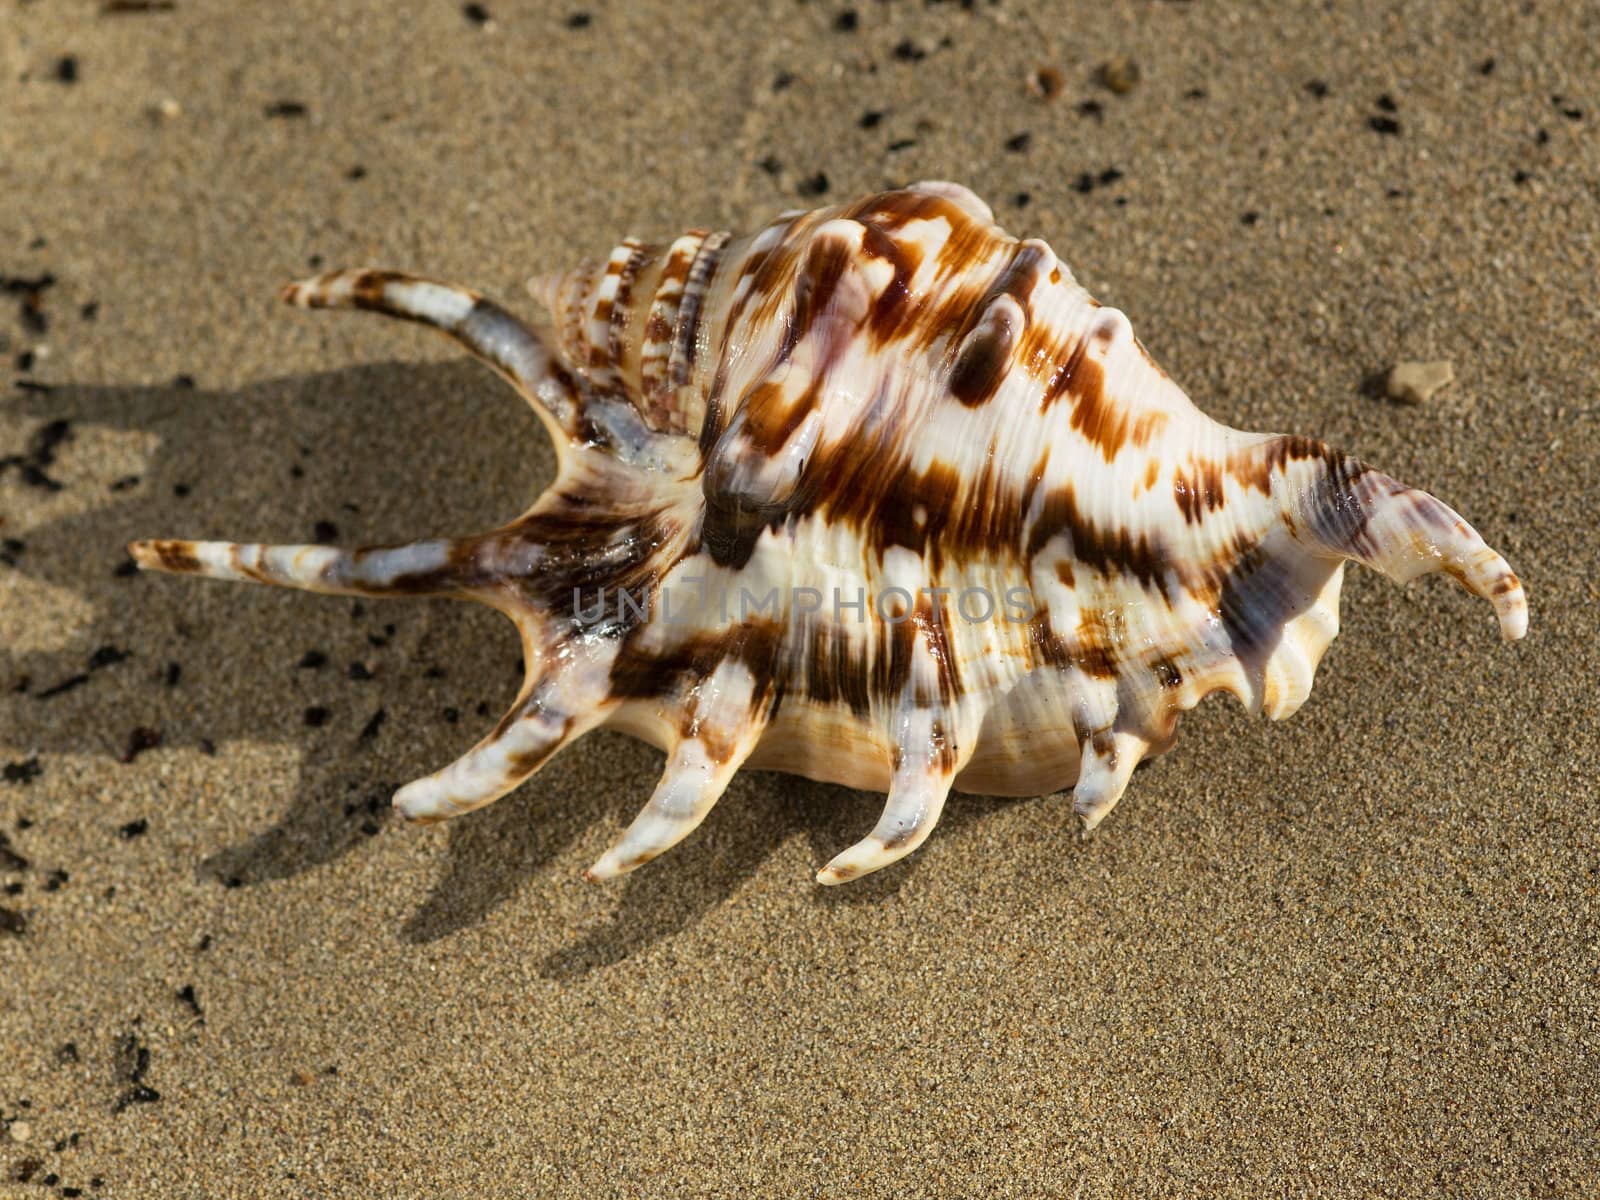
878,495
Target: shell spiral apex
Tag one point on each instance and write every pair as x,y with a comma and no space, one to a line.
878,495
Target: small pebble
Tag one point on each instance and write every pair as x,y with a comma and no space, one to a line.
21,1131
140,739
1416,382
1044,83
1120,75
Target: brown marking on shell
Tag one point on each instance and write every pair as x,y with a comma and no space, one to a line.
685,337
889,309
619,344
1198,490
175,556
984,358
1168,675
1095,650
644,672
929,620
1111,552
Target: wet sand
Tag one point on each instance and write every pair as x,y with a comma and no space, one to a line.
1349,954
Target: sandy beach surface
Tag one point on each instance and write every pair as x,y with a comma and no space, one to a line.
1351,954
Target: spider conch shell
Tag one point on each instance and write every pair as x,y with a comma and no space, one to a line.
880,496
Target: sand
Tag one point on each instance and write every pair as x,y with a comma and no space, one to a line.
1350,954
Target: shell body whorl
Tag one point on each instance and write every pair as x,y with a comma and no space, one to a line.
881,496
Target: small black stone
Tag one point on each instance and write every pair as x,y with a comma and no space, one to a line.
316,716
133,829
1317,88
1250,218
1019,142
10,860
67,69
68,684
140,739
1386,104
23,772
871,118
325,531
286,108
814,185
106,656
312,659
579,20
847,21
1486,67
476,13
1384,125
374,723
908,51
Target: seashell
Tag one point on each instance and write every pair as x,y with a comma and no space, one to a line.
880,496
